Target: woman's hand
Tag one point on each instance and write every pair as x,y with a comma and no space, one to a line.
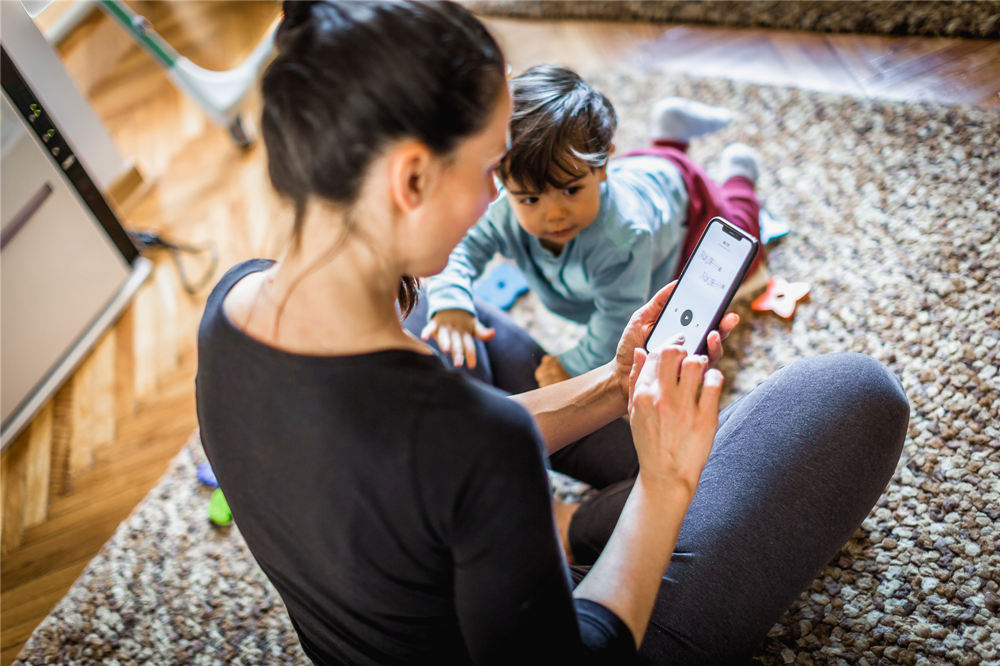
455,332
641,324
673,407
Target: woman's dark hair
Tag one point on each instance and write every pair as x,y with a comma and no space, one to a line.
560,123
349,78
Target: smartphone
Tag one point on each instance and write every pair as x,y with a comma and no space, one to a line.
706,286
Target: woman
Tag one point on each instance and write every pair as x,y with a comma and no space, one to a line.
400,508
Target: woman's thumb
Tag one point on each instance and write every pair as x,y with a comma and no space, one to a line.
638,360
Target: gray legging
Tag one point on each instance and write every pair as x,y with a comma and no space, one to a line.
798,463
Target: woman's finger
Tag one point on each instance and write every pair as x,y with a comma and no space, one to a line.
675,341
714,345
645,317
651,310
692,368
711,391
728,323
670,365
638,360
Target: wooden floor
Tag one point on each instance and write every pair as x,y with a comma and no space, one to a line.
107,436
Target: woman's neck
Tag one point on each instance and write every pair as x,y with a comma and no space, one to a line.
327,298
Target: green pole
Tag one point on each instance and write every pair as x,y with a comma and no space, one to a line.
147,37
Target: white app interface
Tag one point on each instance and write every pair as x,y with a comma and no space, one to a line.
701,291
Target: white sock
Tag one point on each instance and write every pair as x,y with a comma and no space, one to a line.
738,159
680,119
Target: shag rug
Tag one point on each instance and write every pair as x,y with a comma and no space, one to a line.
951,18
894,214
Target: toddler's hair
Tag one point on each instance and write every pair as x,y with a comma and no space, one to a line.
560,125
350,78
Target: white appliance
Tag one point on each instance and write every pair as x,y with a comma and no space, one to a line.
67,267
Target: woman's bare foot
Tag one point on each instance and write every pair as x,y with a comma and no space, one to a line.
564,514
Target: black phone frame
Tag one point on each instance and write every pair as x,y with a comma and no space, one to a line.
734,231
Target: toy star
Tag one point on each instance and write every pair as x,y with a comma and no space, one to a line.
781,297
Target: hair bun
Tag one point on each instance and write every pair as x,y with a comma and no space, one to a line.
297,11
297,14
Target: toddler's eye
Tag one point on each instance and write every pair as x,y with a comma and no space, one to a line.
573,190
528,201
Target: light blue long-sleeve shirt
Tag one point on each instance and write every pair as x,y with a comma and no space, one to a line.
600,277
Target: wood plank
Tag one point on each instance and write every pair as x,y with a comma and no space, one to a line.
27,604
81,443
8,655
140,470
38,467
145,336
62,433
125,365
103,387
60,541
127,189
12,490
818,62
167,294
92,49
967,76
18,634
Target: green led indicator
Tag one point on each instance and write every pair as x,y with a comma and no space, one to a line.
35,111
51,133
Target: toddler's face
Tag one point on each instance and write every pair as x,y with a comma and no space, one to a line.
556,216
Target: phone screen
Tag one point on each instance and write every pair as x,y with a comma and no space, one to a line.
706,286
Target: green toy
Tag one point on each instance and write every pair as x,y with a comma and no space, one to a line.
218,509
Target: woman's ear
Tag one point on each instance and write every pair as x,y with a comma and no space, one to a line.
410,167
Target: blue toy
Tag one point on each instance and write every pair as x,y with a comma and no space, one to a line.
771,228
207,476
501,285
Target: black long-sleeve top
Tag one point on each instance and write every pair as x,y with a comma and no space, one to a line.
400,508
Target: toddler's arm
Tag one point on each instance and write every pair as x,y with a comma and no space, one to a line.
451,289
451,317
620,288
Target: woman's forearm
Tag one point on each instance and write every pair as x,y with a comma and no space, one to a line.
569,410
626,577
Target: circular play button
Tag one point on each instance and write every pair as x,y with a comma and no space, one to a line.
686,317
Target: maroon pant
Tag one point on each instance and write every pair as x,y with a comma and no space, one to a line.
734,200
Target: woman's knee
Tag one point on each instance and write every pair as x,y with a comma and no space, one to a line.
864,393
870,381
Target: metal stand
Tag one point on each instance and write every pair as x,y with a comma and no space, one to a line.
220,94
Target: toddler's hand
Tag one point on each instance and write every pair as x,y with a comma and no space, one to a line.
550,371
455,332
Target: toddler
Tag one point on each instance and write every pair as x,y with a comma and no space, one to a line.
595,240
